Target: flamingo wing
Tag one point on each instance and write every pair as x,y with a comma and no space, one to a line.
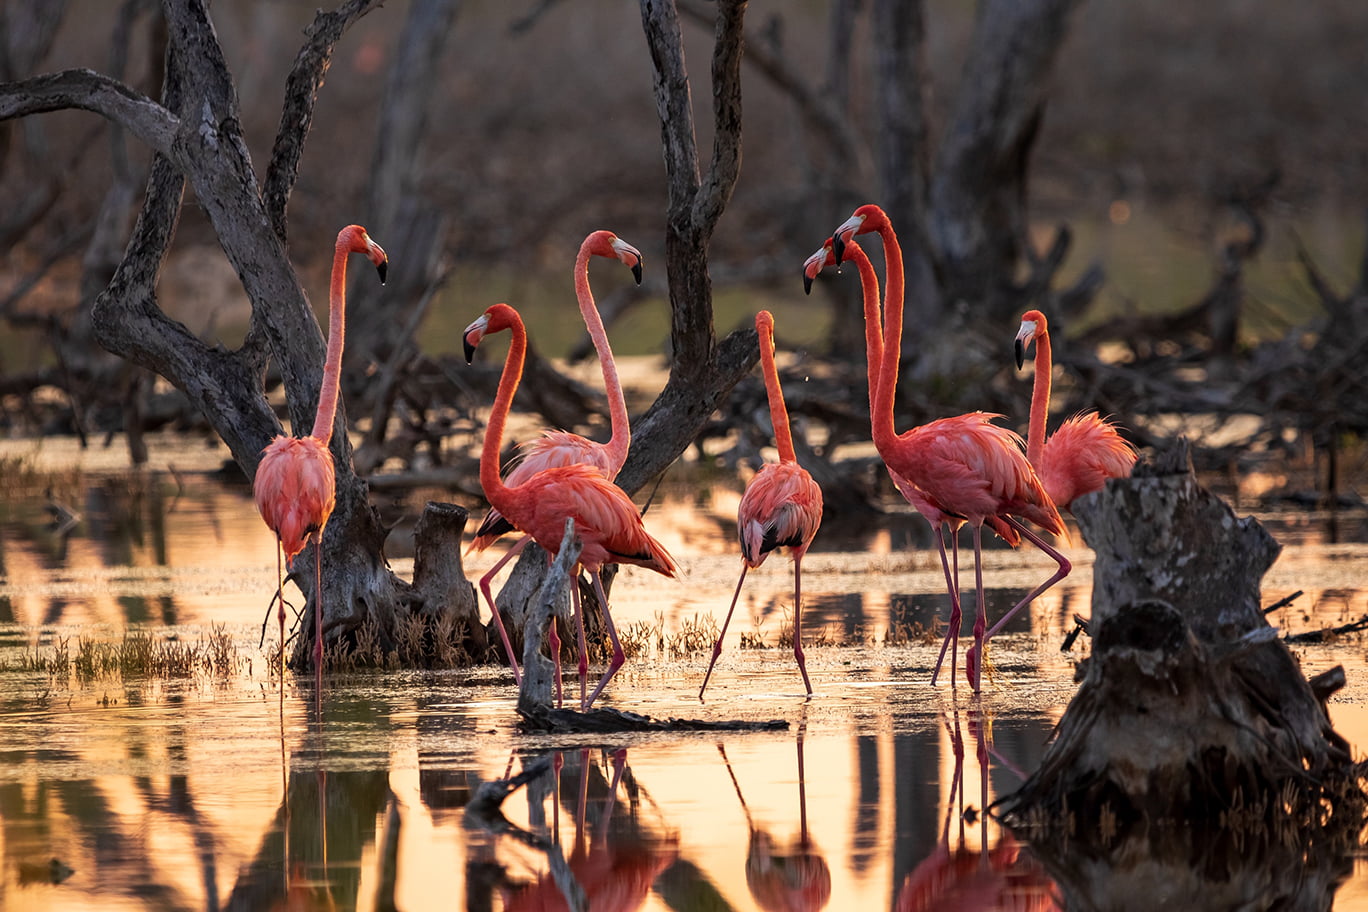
606,520
973,468
550,450
1080,457
294,489
782,507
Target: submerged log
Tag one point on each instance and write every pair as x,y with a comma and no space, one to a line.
1195,752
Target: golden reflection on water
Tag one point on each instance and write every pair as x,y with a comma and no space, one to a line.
202,794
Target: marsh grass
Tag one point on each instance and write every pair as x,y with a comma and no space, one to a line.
138,655
21,475
418,641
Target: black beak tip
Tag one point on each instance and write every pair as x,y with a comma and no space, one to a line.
636,271
469,351
838,250
1020,353
807,284
383,269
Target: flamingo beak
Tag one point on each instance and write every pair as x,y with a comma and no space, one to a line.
629,255
839,238
378,257
813,265
1023,337
472,336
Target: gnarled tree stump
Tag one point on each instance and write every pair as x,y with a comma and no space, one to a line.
1195,756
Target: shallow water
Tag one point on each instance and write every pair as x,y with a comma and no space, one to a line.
218,791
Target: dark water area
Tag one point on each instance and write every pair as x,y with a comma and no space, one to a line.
221,789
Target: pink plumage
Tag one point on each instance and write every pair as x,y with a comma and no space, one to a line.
295,490
554,448
294,485
606,521
1086,449
782,506
964,468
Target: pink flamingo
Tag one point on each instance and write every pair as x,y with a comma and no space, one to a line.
939,519
782,506
1086,449
561,448
606,520
869,283
965,466
294,483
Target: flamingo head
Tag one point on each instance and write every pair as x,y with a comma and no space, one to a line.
1033,326
497,317
865,219
607,244
764,324
816,263
354,239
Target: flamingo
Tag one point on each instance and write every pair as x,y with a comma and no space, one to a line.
294,485
561,448
965,466
606,520
1086,449
782,506
869,283
795,876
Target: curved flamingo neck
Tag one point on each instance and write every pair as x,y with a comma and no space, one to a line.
337,324
783,434
621,439
1040,399
494,487
882,419
869,290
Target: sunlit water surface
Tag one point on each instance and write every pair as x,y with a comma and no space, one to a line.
214,792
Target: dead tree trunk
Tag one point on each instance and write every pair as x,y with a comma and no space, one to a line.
702,369
195,133
1194,734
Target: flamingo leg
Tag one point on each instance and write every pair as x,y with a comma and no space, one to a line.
494,611
798,620
280,612
583,641
951,640
973,665
619,657
318,608
1063,571
717,647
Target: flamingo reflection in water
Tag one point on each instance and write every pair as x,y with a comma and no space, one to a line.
975,880
793,880
616,874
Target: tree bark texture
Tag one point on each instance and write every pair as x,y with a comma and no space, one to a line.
702,370
977,217
196,135
1194,733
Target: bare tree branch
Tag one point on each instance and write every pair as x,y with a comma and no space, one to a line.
87,90
301,93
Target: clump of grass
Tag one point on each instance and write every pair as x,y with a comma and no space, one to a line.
137,655
417,641
696,635
902,632
21,473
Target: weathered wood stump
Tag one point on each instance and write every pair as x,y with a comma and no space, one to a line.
1196,758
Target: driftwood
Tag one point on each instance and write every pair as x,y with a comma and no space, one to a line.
1194,734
